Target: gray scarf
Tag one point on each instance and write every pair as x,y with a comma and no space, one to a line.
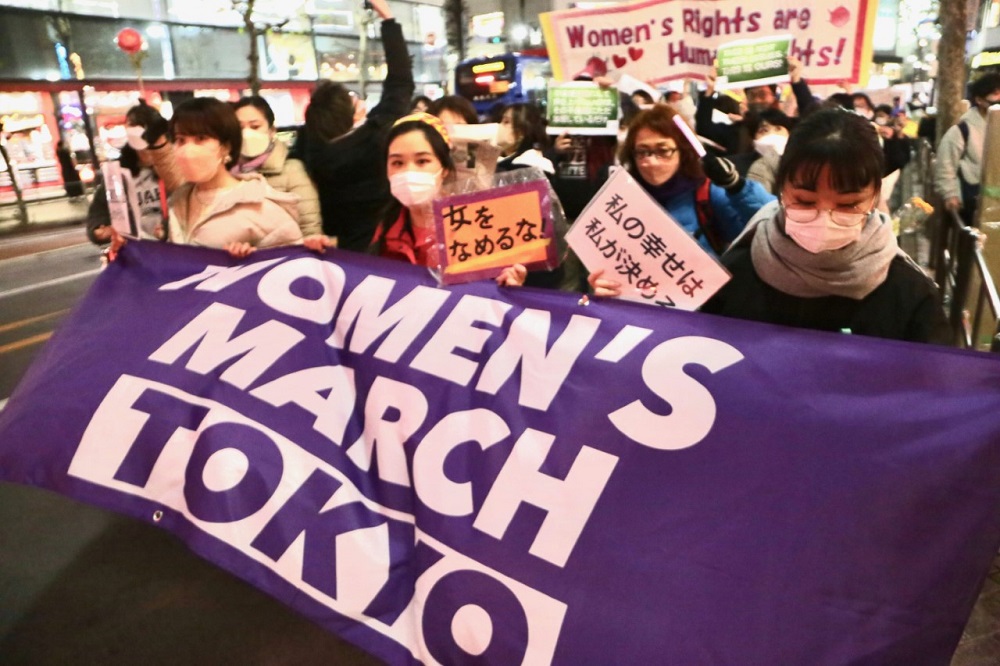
853,271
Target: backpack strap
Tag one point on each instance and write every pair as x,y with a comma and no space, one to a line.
963,129
706,217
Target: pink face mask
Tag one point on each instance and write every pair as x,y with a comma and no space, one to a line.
198,163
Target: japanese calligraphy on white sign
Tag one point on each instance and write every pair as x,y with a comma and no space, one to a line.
625,232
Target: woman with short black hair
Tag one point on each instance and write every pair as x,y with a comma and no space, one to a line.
215,208
822,257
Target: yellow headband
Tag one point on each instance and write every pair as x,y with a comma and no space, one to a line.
427,118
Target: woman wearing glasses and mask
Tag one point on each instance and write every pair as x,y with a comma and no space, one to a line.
705,196
822,257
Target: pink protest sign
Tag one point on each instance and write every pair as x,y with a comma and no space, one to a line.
661,40
623,231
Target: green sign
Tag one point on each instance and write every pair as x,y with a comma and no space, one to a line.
582,108
753,61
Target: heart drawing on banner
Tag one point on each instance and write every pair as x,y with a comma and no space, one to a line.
634,53
619,61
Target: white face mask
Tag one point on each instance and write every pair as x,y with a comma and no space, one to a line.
771,144
414,188
255,142
133,136
822,234
197,163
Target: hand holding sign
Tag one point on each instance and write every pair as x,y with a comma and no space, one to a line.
753,62
636,251
722,172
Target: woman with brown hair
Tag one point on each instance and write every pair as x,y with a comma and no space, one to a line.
706,196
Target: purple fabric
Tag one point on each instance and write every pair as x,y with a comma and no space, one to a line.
792,497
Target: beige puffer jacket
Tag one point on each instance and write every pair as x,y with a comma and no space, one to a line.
252,212
289,175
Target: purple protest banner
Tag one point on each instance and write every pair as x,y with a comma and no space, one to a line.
479,474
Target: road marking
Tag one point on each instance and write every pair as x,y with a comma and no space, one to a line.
26,342
32,320
49,283
3,403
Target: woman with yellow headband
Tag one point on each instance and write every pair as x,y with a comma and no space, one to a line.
418,163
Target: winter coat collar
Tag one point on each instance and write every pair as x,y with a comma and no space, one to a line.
252,189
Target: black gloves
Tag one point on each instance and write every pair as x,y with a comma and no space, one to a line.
156,131
721,171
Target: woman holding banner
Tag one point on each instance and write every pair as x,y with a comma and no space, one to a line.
262,152
823,257
705,196
418,164
213,208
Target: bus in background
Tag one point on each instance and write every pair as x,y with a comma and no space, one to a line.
508,78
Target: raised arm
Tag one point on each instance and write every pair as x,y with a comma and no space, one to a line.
397,89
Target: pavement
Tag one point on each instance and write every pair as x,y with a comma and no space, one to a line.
980,643
42,213
81,586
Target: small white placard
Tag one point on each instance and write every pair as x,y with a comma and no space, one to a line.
628,234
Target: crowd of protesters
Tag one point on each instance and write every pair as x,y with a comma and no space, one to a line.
790,195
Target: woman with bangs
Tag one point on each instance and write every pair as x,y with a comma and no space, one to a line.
214,208
822,257
418,164
706,196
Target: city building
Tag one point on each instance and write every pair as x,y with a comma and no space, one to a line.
64,77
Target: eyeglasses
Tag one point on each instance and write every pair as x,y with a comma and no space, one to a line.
842,217
659,153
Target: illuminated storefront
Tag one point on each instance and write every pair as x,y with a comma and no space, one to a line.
30,136
62,76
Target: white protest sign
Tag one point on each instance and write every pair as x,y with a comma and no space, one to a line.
474,151
629,84
629,235
117,195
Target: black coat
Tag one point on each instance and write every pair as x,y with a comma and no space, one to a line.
904,307
349,172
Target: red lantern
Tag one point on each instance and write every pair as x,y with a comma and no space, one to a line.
129,41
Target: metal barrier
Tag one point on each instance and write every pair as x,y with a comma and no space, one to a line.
967,288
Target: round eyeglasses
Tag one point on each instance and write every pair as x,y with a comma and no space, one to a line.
840,216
